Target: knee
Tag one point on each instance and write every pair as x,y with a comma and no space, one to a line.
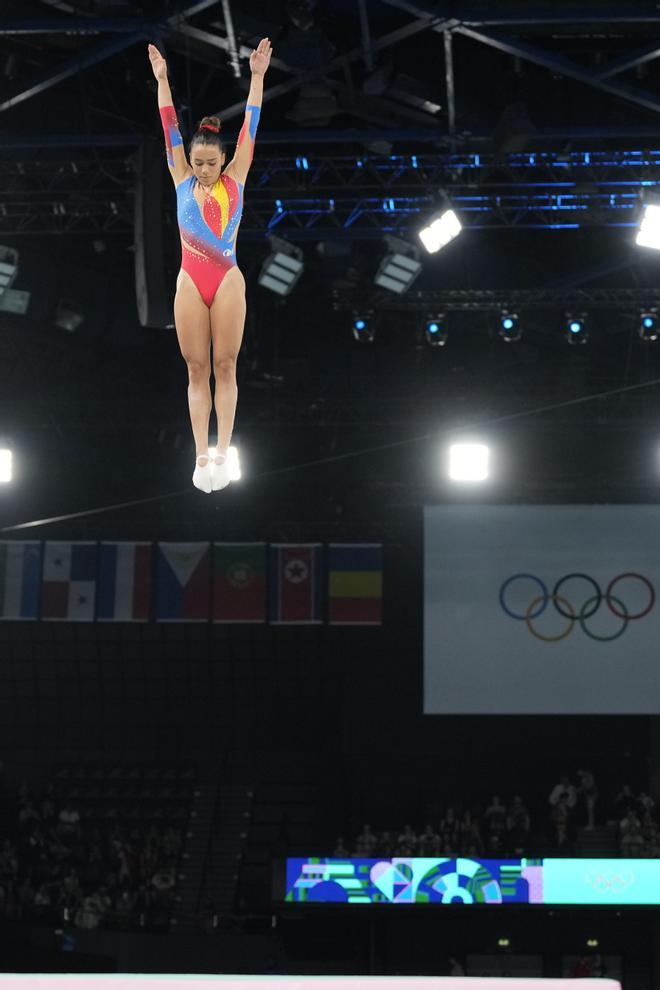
224,368
198,372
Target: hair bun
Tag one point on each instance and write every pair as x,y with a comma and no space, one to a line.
210,124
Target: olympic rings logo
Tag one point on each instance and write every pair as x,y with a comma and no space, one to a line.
573,614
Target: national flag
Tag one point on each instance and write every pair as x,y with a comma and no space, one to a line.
355,584
239,582
124,591
20,579
296,583
68,588
183,582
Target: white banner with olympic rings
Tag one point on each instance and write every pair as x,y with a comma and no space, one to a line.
541,609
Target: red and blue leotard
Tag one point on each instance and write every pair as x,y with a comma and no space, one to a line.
208,234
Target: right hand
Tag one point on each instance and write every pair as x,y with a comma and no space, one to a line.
158,63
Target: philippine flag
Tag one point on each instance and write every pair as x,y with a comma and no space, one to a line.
68,589
183,582
124,591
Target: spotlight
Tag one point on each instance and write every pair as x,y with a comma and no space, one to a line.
363,328
6,465
435,331
468,462
648,325
400,266
648,234
575,329
510,329
442,228
282,268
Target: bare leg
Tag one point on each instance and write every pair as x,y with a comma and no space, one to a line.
193,328
227,323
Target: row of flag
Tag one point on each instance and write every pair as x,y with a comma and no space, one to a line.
280,583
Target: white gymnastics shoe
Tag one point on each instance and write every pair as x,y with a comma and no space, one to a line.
221,476
203,474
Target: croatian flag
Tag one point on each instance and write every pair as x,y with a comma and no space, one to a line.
20,579
124,591
296,583
183,582
68,589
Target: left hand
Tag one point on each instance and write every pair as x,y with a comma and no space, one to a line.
260,57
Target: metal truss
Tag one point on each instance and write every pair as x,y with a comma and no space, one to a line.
495,300
352,196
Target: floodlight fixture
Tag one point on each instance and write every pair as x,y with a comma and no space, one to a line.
400,266
435,330
282,268
468,462
510,328
576,330
441,228
6,465
648,232
648,325
8,267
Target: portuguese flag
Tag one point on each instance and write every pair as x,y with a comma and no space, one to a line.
239,582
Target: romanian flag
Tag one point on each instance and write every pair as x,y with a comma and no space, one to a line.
239,582
355,584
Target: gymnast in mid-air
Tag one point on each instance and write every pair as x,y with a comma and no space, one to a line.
209,306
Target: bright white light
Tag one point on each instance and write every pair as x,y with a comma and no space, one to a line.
468,462
233,462
6,472
443,228
648,234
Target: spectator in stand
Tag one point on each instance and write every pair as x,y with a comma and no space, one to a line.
449,831
428,843
588,795
495,817
470,835
366,842
564,789
340,850
386,844
626,798
28,816
632,839
518,825
68,821
406,844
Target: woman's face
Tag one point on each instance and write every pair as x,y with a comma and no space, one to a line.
207,161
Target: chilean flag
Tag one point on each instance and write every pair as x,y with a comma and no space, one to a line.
296,583
124,586
183,582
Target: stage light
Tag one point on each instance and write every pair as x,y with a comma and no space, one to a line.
504,943
363,327
282,268
233,462
435,331
648,325
6,465
510,329
468,462
8,267
575,329
442,228
400,266
648,234
592,943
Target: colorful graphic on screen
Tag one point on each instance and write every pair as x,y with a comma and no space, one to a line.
427,880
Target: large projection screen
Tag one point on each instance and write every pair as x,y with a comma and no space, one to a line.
541,609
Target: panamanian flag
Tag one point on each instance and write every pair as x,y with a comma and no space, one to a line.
296,583
20,579
68,588
124,589
183,582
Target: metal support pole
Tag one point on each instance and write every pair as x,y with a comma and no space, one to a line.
231,38
366,36
449,79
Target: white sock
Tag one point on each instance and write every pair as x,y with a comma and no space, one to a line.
203,474
220,472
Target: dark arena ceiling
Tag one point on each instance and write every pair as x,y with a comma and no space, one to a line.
540,121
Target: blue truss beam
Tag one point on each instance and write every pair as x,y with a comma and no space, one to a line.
629,60
539,15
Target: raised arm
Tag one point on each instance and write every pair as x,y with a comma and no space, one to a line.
176,155
259,62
